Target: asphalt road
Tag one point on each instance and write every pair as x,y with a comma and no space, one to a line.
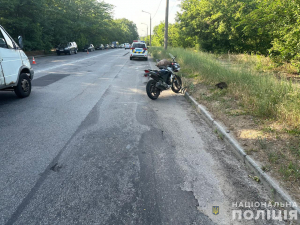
89,147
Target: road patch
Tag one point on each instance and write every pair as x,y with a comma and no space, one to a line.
48,79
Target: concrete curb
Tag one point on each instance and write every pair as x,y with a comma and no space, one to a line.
274,190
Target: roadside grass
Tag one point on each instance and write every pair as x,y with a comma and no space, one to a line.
262,95
290,171
263,107
259,63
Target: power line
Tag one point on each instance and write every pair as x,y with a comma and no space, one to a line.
157,9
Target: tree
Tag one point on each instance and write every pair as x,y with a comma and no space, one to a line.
46,23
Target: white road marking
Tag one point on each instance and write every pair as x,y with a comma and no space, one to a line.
65,64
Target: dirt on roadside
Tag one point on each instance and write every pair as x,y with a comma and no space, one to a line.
273,146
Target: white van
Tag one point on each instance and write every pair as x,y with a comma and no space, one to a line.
127,46
15,69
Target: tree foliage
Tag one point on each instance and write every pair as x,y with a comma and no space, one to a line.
46,23
175,37
260,26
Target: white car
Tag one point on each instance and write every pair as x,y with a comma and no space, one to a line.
16,73
127,46
139,50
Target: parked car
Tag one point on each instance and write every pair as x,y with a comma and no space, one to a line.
112,46
107,46
139,50
127,46
100,47
67,48
16,72
89,47
122,45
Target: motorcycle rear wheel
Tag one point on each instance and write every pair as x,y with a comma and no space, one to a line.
176,84
151,89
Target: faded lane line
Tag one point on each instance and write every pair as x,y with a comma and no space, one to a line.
79,60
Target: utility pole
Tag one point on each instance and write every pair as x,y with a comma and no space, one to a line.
150,24
150,29
166,24
147,30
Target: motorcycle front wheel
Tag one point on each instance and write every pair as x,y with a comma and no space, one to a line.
151,89
176,84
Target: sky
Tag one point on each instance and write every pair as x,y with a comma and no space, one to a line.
132,10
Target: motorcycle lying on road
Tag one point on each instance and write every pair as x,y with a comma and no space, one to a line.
164,78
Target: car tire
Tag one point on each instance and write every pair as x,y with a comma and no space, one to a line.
23,88
75,52
130,58
146,58
70,52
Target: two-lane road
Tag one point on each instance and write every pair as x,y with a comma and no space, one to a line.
89,147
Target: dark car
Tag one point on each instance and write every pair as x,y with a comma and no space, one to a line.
67,48
107,46
89,47
99,47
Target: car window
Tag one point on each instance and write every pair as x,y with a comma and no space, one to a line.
9,43
136,45
2,41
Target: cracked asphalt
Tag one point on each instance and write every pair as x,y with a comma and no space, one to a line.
89,147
